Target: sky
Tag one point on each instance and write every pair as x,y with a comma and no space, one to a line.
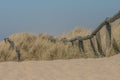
53,16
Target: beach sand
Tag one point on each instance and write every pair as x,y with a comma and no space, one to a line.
74,69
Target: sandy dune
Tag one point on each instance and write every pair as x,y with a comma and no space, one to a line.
77,69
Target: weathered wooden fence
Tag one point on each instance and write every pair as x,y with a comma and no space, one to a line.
96,34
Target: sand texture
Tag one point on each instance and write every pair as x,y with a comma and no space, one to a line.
74,69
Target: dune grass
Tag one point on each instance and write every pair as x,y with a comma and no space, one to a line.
39,47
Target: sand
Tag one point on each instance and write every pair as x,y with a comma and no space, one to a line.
74,69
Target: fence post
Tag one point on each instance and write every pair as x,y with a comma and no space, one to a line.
18,53
14,47
81,46
72,42
108,37
99,45
115,46
93,46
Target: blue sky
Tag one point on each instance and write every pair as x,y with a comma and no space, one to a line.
53,16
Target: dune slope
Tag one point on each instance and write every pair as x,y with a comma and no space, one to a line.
74,69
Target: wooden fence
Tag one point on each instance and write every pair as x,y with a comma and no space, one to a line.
96,33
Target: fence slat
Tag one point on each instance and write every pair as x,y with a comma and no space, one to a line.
108,39
93,46
81,46
99,45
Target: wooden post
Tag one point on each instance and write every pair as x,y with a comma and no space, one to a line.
10,42
115,46
18,53
81,46
14,47
108,38
72,42
93,46
99,45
